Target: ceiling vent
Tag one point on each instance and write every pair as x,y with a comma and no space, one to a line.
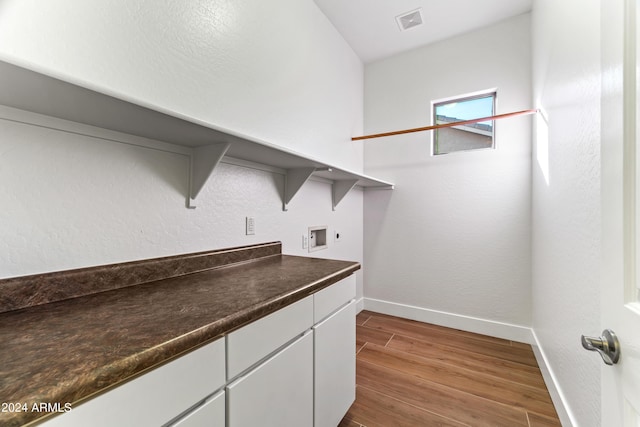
409,19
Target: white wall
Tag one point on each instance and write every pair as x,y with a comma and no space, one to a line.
566,209
278,71
72,201
453,239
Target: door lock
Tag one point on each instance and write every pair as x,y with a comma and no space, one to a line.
607,346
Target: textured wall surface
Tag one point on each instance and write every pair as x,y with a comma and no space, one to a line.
278,71
455,234
72,201
566,197
275,70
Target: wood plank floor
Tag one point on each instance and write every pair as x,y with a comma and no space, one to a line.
417,374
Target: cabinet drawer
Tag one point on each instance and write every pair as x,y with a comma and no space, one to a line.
156,397
250,344
333,297
210,413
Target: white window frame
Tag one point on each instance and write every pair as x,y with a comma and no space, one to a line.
464,97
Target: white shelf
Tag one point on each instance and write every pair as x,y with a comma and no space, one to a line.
43,93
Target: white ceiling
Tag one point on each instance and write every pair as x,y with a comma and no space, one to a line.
370,27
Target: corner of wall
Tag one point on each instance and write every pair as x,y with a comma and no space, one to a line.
553,385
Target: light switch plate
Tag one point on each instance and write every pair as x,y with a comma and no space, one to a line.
250,226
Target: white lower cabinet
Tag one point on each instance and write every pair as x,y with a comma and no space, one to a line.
308,382
334,366
292,368
278,392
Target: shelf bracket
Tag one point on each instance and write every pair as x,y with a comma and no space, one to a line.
341,188
293,181
203,161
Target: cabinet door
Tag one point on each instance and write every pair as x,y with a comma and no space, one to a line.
210,413
335,366
278,392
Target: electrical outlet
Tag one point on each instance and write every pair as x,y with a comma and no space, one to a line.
305,241
250,225
337,236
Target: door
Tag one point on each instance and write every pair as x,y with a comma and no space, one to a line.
334,366
621,209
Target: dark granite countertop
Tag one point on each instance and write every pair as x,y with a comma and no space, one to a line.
66,351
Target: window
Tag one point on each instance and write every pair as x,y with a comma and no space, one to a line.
473,136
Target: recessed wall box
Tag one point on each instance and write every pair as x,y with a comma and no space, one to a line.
317,238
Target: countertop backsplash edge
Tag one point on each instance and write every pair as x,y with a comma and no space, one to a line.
26,291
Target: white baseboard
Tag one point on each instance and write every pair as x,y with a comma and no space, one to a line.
486,327
566,417
359,304
451,320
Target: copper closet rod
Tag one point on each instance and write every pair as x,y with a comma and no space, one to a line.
447,125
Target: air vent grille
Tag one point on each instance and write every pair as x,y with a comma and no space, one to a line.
410,19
